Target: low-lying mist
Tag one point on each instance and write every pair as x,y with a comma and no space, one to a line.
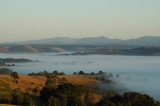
124,83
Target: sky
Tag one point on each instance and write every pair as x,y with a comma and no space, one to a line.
38,19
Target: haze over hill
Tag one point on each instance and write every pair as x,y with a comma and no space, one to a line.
142,41
146,45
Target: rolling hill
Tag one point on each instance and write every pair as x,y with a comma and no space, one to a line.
142,41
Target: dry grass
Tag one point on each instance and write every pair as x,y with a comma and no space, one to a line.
95,97
25,82
81,80
30,82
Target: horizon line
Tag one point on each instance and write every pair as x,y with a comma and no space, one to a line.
77,38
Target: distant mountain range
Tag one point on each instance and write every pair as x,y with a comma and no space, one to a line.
147,45
142,41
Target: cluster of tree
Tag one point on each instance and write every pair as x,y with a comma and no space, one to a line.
5,71
101,76
17,98
62,94
45,73
127,99
92,73
12,60
66,94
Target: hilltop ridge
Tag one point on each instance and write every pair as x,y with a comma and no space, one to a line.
141,41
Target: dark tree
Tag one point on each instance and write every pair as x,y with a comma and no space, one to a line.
35,91
92,73
75,73
17,98
81,73
55,72
100,72
27,99
15,76
54,101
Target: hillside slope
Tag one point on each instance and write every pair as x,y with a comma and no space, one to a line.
141,41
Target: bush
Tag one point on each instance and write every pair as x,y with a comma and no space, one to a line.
17,98
75,73
4,100
15,75
35,91
67,94
81,73
92,73
54,101
62,98
129,98
27,99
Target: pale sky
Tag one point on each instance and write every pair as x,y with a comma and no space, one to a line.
37,19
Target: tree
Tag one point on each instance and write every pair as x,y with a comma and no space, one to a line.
100,73
55,72
81,73
54,101
92,73
17,98
62,98
75,101
35,91
15,76
27,99
4,100
61,73
75,73
63,80
127,99
52,81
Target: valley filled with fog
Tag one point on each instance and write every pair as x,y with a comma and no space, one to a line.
131,73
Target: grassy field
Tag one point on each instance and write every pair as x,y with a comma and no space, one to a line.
25,82
30,82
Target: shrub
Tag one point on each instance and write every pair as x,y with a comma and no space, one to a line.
4,100
92,73
54,101
75,73
17,98
27,99
81,73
